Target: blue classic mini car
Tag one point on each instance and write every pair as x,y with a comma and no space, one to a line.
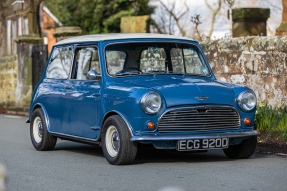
122,90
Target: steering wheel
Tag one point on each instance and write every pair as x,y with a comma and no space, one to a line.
127,69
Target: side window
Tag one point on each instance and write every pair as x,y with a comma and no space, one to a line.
152,59
60,63
115,61
86,59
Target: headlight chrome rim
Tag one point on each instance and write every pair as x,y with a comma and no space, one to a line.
144,99
240,97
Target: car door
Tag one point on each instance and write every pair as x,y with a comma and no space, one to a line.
53,85
82,98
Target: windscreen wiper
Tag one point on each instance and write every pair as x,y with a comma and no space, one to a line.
157,71
134,73
165,72
126,73
149,73
179,73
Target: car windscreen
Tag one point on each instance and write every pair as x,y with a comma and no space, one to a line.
143,58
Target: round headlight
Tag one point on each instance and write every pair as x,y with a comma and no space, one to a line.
247,100
151,103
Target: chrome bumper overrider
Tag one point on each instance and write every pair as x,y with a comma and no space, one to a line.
165,137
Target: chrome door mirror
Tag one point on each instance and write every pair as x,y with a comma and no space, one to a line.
92,74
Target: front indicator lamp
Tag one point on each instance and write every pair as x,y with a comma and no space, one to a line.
150,125
247,121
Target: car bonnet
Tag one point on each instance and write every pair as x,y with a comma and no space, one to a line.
187,90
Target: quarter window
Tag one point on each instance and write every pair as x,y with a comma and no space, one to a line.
86,59
60,63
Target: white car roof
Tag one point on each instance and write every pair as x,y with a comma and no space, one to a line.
119,36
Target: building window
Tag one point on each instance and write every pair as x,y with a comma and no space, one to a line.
16,26
19,26
8,37
25,25
14,32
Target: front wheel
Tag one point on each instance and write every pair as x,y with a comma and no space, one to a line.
243,150
116,144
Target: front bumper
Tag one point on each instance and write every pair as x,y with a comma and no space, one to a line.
164,137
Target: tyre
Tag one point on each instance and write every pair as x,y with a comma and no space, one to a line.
40,137
243,150
116,144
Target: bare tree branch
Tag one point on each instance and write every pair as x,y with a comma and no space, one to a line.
156,26
176,18
197,22
215,11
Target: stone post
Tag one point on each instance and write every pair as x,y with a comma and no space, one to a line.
249,21
282,29
23,91
62,33
135,24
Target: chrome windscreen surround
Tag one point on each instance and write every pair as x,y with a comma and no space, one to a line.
199,119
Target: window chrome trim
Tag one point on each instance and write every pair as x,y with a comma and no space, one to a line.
149,41
198,106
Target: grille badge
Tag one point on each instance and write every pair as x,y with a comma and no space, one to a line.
202,98
201,110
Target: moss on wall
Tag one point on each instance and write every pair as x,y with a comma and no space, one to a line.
257,62
282,27
250,14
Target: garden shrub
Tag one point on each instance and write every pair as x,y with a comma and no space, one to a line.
272,120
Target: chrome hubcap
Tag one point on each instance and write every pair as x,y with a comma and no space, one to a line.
112,141
40,126
116,140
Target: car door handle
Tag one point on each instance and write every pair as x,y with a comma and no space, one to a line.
68,87
96,95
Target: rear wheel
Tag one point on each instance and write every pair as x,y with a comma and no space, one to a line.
243,150
40,137
116,144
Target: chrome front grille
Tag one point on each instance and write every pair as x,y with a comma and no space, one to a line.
202,118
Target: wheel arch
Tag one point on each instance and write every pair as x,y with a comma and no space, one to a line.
39,105
114,112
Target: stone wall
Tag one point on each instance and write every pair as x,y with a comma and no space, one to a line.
16,78
16,66
8,80
257,62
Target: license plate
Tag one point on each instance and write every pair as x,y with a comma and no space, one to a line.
202,144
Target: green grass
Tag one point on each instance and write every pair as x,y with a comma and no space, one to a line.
272,121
